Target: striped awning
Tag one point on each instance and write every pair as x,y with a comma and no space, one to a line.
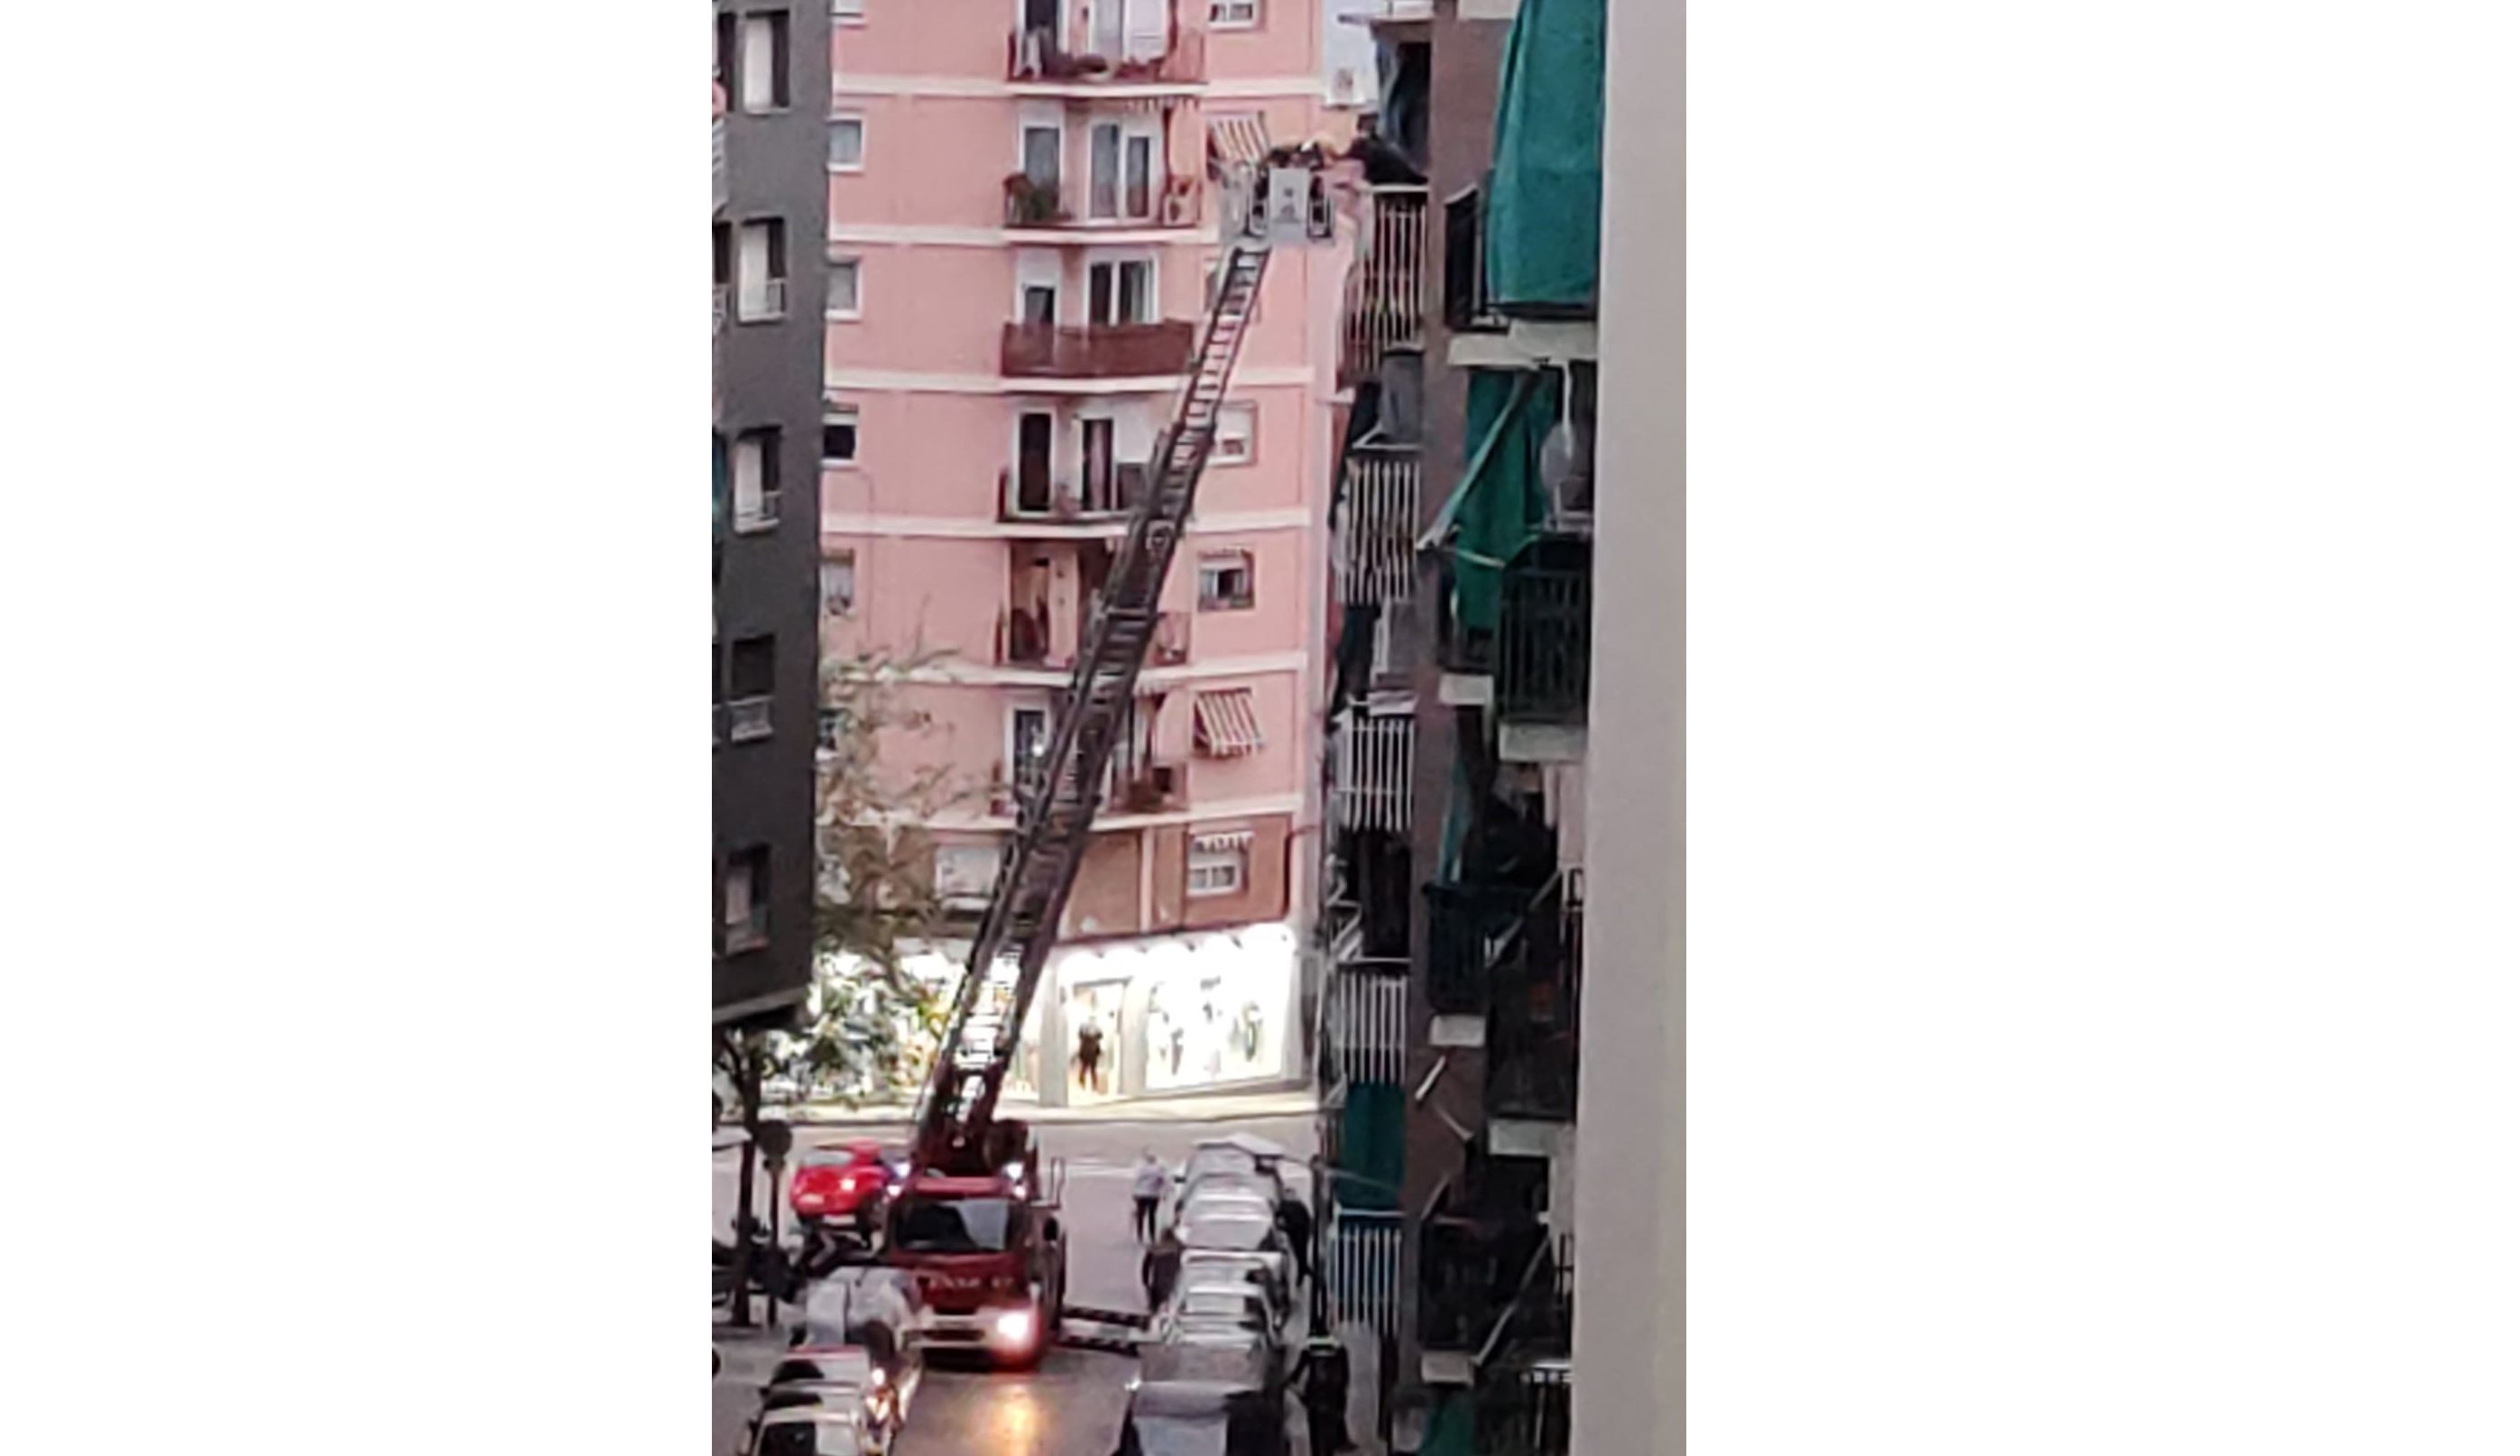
1227,722
1242,140
1227,842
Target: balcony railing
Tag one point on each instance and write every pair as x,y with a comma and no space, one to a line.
1528,1410
1035,55
1534,1022
717,162
1166,202
1112,351
1151,788
1377,529
1467,928
1360,1267
747,719
1467,307
1367,1021
1375,757
1386,286
1545,632
1023,637
1029,494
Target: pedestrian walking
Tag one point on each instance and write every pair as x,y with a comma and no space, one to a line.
1323,1374
1147,1189
1296,1222
1089,1059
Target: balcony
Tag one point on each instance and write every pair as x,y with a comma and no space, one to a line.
1385,307
1374,755
1366,1022
1528,1409
1029,494
1110,351
1503,1294
1467,308
1036,56
1467,927
1535,996
1544,647
1360,1269
1150,788
1378,527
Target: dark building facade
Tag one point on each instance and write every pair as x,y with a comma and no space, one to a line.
769,204
1453,926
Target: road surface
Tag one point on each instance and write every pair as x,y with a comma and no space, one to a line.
1071,1406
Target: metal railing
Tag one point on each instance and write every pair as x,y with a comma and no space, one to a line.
1545,632
1467,926
1377,528
1534,1021
1368,1020
1361,1266
1034,54
1387,298
1101,352
1528,1411
1375,757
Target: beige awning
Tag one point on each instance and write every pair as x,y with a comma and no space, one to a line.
1242,140
1230,842
1227,722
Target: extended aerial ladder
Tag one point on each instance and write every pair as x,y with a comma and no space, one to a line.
1055,814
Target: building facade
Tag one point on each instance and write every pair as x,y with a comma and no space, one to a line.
1454,911
1025,224
767,199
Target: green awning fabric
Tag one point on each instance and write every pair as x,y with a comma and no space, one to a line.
1500,505
1543,223
1457,824
1373,1130
1451,1427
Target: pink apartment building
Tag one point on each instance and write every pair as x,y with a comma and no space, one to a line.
1023,227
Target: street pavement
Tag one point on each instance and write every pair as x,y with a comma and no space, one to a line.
1071,1406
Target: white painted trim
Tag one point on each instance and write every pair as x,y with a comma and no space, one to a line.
998,88
904,382
1276,806
1526,345
1070,235
1267,88
953,528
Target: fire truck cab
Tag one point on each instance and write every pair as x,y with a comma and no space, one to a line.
989,1257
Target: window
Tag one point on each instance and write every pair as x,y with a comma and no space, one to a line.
1219,863
761,270
1040,305
1231,14
765,61
1138,194
841,283
1105,170
1122,292
849,11
840,583
756,480
1033,430
1225,581
965,873
1237,429
848,143
747,899
839,434
1041,144
752,678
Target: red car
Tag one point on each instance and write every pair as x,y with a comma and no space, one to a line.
848,1181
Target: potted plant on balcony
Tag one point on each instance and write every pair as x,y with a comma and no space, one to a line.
1030,204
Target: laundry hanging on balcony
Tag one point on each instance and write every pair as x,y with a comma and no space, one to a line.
1500,505
1227,722
1544,222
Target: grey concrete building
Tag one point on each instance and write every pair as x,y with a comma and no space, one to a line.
770,141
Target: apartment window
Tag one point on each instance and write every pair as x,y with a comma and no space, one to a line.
840,286
848,143
839,434
765,61
747,900
840,583
965,874
1218,864
1137,182
1225,581
1121,293
1232,15
756,480
1033,430
761,270
1237,429
1041,146
751,679
1105,170
1040,305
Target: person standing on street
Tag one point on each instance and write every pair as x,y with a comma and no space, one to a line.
1322,1373
1147,1189
1296,1222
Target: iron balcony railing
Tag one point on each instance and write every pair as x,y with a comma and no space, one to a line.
1528,1410
1536,995
1467,927
1360,1269
1102,352
1386,299
1366,1020
1377,528
1467,308
1376,755
1544,650
1034,54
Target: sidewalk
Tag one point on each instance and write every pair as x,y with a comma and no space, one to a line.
1229,1107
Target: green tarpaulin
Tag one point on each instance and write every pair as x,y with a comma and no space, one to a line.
1500,505
1451,1427
1372,1137
1543,223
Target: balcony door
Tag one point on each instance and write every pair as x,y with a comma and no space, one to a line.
1137,177
1121,292
1105,170
1110,29
1027,746
1041,156
1032,463
1102,488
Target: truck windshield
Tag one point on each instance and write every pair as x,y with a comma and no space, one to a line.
962,1225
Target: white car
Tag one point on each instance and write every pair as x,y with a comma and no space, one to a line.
818,1431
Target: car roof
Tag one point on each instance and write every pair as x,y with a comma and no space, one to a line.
943,1186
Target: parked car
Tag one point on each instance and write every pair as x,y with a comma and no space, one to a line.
836,1376
817,1430
848,1182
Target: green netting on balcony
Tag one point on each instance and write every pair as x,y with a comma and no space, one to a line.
1544,225
1374,1130
1500,505
1453,1427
